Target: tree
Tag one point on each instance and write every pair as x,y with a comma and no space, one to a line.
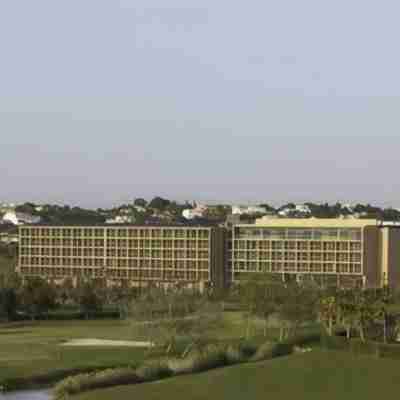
139,202
347,310
88,298
382,314
8,302
328,311
38,296
268,207
143,311
297,305
249,297
364,311
159,203
66,291
121,296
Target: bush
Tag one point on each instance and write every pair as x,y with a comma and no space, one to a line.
148,372
304,339
248,349
334,342
153,370
84,382
268,351
40,380
211,357
234,354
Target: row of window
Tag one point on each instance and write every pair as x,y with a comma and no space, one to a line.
115,263
121,253
120,243
129,274
299,246
116,233
292,256
296,267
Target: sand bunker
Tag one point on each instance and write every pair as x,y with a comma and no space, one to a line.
107,343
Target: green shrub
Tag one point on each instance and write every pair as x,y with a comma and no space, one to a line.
248,349
212,356
40,380
84,382
268,351
334,342
234,354
153,370
304,339
180,366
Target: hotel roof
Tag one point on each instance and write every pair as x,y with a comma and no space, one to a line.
313,223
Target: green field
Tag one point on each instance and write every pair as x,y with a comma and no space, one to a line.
318,375
34,348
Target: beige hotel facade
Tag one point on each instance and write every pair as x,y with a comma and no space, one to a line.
139,254
340,252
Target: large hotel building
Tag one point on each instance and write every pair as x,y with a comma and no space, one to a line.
190,255
342,252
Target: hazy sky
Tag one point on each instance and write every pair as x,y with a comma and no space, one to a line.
104,101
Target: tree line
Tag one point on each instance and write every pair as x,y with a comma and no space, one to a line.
289,307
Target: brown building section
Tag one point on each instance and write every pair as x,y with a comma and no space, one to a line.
192,256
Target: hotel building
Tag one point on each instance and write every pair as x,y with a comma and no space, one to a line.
139,254
342,252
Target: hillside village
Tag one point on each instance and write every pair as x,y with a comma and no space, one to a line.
163,211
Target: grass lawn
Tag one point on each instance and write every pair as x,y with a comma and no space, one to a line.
318,375
34,348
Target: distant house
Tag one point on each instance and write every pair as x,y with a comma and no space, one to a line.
18,218
295,210
194,213
303,209
249,210
121,219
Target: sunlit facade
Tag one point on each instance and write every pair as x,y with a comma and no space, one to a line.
333,251
191,256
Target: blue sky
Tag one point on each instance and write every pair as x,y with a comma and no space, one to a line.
103,101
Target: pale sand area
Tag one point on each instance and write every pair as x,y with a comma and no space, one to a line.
108,343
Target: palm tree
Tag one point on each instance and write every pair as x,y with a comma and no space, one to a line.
328,311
